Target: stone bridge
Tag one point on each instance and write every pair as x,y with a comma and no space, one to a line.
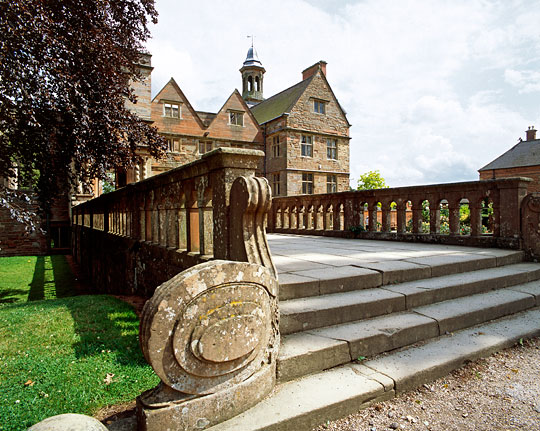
360,273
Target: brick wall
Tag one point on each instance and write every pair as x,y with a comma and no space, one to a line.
15,240
189,130
532,172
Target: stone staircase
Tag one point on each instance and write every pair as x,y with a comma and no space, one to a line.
422,319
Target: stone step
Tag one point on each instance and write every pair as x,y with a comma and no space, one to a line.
304,278
313,351
305,403
423,292
309,313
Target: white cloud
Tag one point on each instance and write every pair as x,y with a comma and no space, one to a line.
527,81
434,89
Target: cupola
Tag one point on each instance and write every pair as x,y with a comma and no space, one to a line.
252,78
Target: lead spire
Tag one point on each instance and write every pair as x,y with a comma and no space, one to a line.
252,76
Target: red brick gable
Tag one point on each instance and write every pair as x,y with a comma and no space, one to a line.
189,122
221,128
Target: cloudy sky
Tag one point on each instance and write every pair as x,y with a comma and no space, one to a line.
434,90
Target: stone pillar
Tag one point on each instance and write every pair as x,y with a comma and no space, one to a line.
530,222
512,192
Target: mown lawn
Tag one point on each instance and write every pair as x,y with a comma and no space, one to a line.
74,354
29,278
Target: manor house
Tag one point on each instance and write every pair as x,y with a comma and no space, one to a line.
303,130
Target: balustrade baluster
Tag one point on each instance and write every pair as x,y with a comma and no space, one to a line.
386,217
417,216
373,212
434,216
476,218
453,216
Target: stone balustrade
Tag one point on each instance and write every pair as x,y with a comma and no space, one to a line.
193,238
135,238
483,213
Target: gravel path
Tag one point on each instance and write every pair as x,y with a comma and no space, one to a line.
498,393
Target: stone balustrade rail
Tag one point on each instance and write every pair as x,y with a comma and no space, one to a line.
428,213
133,239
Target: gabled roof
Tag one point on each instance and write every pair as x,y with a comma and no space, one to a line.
280,103
525,153
206,117
236,94
184,98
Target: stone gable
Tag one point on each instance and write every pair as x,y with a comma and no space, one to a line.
303,116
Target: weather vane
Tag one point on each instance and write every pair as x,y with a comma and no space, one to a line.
252,38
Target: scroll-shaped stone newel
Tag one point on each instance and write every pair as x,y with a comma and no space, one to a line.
530,225
250,201
211,335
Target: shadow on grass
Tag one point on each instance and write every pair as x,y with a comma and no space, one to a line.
8,296
104,324
59,284
37,285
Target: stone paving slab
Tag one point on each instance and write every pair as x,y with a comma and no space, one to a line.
455,263
286,264
532,270
297,286
394,261
468,311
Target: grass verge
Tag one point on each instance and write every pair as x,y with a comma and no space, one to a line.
31,278
72,355
69,355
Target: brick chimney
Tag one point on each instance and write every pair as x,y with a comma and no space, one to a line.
312,70
531,133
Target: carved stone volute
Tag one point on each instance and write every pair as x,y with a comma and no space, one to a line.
250,201
211,334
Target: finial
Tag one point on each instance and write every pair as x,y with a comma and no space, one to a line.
252,39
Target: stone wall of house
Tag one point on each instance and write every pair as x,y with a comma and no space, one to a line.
142,89
532,172
320,128
303,117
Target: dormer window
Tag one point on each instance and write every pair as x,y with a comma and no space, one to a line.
171,110
236,118
319,107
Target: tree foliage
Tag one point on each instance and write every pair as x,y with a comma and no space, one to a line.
371,180
65,72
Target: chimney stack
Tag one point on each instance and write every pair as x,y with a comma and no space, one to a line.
531,133
312,70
